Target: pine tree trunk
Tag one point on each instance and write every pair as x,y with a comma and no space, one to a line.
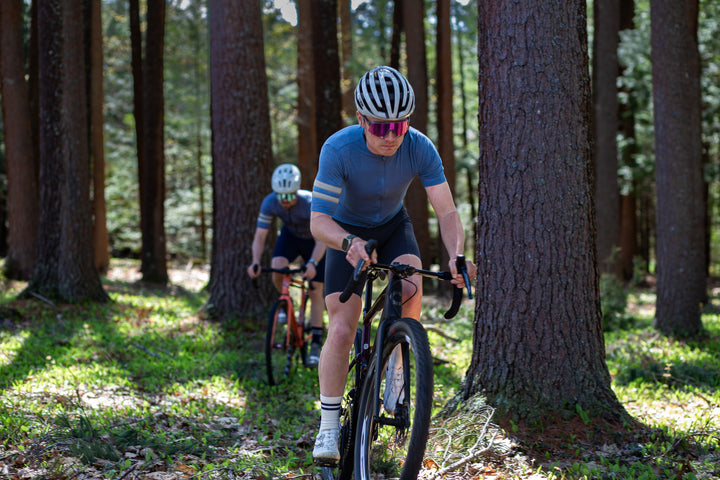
241,151
416,201
65,269
21,163
308,152
152,171
538,351
101,239
605,103
678,171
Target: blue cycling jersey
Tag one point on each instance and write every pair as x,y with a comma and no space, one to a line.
358,187
296,218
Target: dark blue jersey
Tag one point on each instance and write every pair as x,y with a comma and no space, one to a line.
296,218
358,187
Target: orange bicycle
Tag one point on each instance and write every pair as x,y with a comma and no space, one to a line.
288,337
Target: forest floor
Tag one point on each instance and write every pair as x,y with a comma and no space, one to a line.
221,433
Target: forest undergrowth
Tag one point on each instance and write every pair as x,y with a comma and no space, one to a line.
146,387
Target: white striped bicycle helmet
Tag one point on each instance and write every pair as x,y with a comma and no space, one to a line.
286,178
384,93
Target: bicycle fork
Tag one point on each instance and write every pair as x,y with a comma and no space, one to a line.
399,420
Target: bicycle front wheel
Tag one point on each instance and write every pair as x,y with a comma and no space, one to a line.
394,444
278,353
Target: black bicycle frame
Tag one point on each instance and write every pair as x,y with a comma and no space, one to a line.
390,302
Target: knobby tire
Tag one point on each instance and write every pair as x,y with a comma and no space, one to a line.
277,355
383,449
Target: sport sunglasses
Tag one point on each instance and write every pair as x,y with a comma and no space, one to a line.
381,129
286,197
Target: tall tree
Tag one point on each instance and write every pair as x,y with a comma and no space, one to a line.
396,39
443,71
21,162
538,349
199,79
137,73
628,200
681,272
241,151
467,160
308,153
346,35
416,199
326,63
605,108
65,267
152,167
101,242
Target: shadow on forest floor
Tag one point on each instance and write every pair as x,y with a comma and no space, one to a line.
197,405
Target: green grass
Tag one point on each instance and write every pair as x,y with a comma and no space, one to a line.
145,384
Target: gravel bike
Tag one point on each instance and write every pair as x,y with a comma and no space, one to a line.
287,336
372,440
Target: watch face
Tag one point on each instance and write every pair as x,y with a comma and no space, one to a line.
347,241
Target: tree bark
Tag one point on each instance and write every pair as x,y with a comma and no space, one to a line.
396,39
152,171
241,151
446,144
678,171
348,82
308,153
538,350
605,109
21,163
137,73
326,62
416,199
65,268
101,239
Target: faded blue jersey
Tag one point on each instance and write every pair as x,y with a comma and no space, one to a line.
358,187
296,218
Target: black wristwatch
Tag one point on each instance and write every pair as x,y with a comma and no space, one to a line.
347,242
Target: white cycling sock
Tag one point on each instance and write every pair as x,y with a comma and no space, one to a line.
329,412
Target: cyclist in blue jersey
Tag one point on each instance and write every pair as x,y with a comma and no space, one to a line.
292,205
363,176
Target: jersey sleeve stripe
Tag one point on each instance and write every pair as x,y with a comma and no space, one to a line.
326,186
323,196
264,221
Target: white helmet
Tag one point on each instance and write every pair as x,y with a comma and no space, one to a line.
384,93
286,178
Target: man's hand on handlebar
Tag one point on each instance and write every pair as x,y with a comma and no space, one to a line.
310,271
253,270
461,275
358,251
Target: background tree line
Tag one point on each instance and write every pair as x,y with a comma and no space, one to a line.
626,185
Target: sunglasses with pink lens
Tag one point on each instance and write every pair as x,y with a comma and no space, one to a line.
381,129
